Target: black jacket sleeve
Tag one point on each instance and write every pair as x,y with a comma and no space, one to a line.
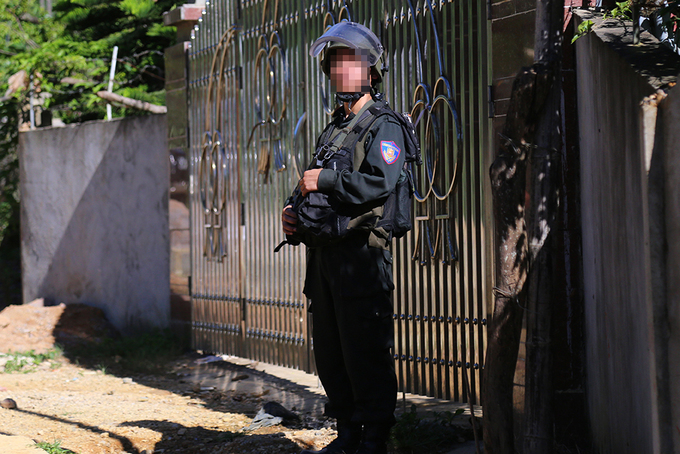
378,174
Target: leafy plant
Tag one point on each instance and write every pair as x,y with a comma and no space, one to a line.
53,448
584,28
10,255
670,15
27,361
622,11
446,418
69,54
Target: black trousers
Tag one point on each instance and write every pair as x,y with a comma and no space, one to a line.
350,286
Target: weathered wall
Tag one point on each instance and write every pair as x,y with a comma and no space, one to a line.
669,121
94,219
621,207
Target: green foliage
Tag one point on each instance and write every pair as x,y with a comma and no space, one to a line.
447,418
584,28
9,164
670,15
53,448
27,362
10,252
69,54
18,27
670,8
623,11
138,8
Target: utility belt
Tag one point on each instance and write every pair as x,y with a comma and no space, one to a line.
322,219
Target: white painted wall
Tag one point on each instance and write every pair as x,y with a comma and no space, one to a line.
94,218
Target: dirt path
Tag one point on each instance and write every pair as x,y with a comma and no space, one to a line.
189,405
91,412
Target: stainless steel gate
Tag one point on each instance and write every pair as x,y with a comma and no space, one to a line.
257,102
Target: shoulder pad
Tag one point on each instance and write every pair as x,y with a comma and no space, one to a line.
404,120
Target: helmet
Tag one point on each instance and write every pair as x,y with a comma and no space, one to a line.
354,36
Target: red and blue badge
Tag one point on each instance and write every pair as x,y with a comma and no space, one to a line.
390,151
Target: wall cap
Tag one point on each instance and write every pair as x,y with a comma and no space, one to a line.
651,59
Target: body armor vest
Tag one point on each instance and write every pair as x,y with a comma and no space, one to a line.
322,220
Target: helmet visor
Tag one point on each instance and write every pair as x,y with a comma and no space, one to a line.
353,35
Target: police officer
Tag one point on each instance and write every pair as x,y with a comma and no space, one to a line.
350,282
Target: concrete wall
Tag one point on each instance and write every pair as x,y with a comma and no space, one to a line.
622,204
94,218
669,309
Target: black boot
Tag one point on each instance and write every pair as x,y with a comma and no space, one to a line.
347,441
375,439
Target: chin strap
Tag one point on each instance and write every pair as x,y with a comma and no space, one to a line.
348,97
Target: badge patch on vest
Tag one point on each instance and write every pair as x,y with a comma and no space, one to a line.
390,151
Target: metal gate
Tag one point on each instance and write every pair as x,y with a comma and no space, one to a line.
257,102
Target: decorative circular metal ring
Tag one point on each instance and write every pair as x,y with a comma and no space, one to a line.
204,189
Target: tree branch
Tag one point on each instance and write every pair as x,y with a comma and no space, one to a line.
134,103
26,17
30,42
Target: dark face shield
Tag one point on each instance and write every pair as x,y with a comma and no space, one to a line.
353,35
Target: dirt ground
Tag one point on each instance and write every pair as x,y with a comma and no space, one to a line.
91,412
196,405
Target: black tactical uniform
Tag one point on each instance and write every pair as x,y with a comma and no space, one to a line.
349,284
349,281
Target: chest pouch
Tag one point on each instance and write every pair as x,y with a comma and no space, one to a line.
322,220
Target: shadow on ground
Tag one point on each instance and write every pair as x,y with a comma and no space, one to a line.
215,441
158,360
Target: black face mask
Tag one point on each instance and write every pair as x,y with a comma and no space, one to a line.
348,97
